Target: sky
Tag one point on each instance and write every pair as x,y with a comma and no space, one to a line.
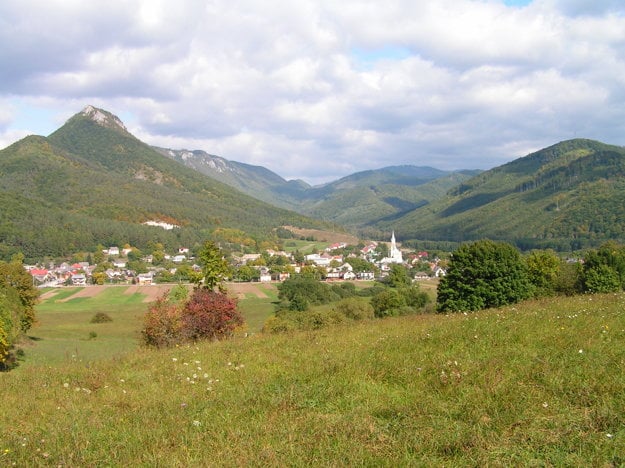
319,89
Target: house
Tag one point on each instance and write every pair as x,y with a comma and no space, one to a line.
183,250
145,279
366,275
179,258
119,264
113,251
438,271
265,276
348,275
280,276
79,279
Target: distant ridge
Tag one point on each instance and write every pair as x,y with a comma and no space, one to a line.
568,196
355,201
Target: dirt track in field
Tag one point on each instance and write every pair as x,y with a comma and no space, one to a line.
241,289
154,291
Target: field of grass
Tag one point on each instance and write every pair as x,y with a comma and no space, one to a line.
64,331
304,246
539,384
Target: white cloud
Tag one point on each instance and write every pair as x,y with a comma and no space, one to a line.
318,89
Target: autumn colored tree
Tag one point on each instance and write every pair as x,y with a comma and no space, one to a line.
210,315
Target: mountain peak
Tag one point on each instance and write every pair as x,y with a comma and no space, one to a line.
103,118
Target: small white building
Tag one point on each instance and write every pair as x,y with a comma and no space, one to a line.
79,279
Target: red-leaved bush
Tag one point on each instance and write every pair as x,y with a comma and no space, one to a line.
210,315
206,315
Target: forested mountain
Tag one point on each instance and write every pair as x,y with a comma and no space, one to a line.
566,196
256,181
91,182
358,200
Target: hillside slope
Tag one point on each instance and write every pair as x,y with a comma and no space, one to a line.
567,196
91,182
540,383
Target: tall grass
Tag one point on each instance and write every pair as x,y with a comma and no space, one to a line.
537,384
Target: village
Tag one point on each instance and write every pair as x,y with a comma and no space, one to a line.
337,262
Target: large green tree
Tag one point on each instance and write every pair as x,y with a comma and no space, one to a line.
483,274
215,268
604,268
543,268
18,297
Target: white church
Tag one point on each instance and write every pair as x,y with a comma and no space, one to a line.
395,255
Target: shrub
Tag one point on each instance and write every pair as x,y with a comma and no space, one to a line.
210,315
206,315
414,297
4,347
305,291
601,279
101,317
344,290
317,319
355,309
387,303
372,290
276,324
162,325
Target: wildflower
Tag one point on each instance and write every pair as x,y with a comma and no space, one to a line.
183,405
197,423
609,436
205,375
581,351
65,385
545,404
174,359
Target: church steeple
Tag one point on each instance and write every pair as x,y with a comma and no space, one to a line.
395,253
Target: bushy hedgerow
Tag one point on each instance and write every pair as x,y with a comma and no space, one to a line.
399,301
344,311
301,291
355,309
206,315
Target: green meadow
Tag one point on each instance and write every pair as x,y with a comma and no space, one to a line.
538,384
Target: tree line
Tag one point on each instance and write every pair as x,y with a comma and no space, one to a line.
485,274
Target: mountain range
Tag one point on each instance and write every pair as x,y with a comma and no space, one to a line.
355,201
568,196
91,182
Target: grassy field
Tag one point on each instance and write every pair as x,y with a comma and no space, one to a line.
64,331
539,384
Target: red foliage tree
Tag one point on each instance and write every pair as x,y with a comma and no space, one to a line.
210,315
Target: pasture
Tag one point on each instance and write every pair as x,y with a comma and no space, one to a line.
536,384
64,331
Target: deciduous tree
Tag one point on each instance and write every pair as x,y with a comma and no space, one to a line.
483,274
